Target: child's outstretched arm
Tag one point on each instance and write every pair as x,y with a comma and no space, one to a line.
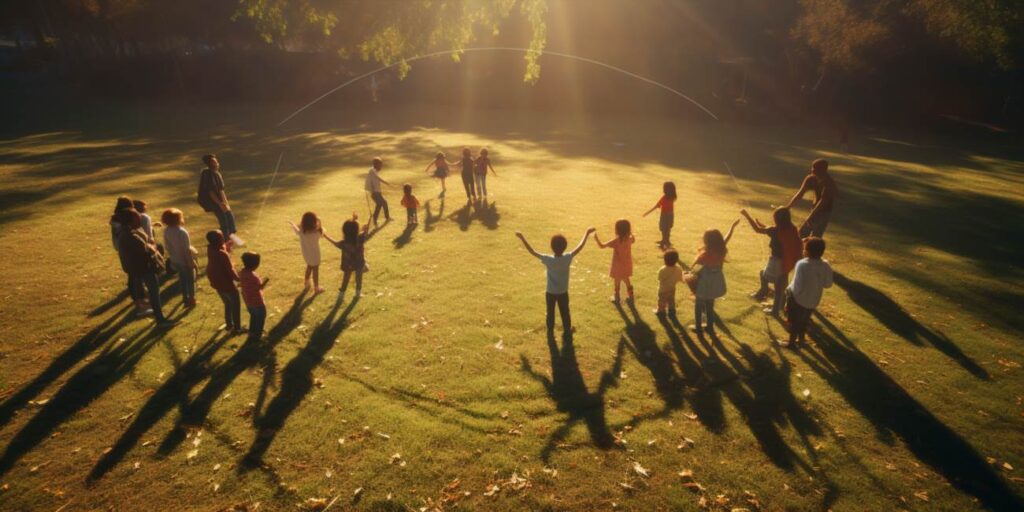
294,227
597,240
754,223
329,239
731,229
655,207
491,167
427,168
584,241
527,244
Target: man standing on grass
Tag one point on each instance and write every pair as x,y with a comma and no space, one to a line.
825,192
372,185
213,198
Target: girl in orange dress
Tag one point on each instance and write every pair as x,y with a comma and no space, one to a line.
622,258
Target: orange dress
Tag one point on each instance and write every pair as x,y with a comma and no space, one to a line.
622,258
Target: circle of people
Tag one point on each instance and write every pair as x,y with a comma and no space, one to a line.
792,250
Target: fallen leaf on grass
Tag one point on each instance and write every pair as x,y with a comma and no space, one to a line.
315,504
191,455
126,417
807,393
36,468
686,473
137,465
492,490
640,470
922,495
216,467
1007,467
691,416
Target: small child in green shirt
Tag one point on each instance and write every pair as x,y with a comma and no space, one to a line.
668,276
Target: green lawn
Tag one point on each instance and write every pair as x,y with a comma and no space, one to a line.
438,384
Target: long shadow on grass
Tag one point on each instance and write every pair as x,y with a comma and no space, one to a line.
297,381
567,388
174,392
91,381
897,320
430,220
405,237
253,351
894,412
95,338
758,388
481,210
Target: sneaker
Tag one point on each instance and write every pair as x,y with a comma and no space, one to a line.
770,311
143,312
238,242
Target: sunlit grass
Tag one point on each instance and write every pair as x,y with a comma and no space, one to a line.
443,360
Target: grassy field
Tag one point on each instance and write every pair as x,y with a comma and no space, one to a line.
438,388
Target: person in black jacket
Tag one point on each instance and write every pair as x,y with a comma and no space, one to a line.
141,260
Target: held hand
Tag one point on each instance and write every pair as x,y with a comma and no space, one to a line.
743,212
591,230
519,235
736,223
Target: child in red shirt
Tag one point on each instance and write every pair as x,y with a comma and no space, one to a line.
252,292
667,205
410,203
221,273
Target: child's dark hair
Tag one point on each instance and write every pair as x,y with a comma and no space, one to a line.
130,218
466,152
173,217
671,257
250,260
483,151
215,237
139,205
407,189
207,159
122,203
669,189
819,165
378,163
309,222
714,242
558,244
782,217
439,155
350,230
814,247
622,228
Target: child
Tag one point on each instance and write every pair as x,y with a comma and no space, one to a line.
142,261
622,258
147,222
221,273
372,185
483,163
784,243
252,292
180,252
353,257
668,276
812,276
118,225
558,278
710,278
467,173
410,203
441,166
310,233
667,205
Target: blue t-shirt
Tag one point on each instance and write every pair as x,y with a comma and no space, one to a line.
558,272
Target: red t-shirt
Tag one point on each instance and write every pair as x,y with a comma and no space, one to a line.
219,269
666,204
710,259
792,247
252,288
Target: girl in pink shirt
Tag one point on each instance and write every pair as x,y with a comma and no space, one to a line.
622,258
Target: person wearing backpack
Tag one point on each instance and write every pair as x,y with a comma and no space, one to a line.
142,261
212,198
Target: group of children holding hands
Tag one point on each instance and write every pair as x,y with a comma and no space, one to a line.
142,258
705,277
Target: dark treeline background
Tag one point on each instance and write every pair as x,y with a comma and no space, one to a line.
831,61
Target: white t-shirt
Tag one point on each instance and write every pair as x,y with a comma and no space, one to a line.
310,243
372,181
176,242
558,272
810,278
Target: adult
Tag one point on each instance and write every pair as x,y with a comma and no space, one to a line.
825,192
372,185
118,225
142,260
213,198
